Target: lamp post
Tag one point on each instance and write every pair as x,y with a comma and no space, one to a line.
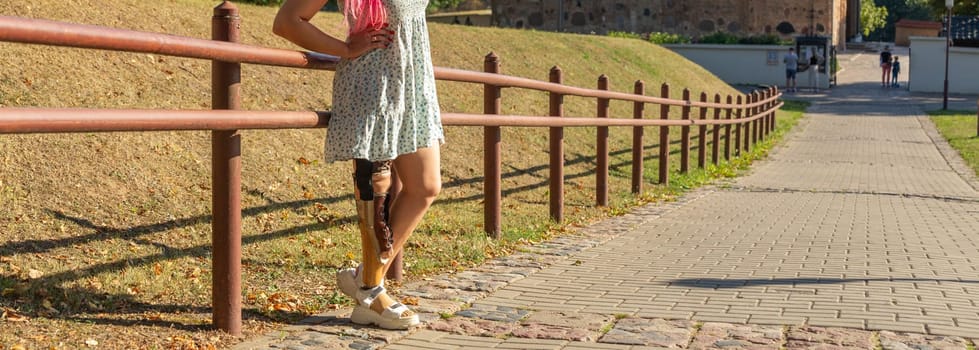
948,43
560,15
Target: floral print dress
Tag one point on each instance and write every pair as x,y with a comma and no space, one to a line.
384,102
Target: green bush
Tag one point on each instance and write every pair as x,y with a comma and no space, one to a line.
731,39
719,38
627,35
668,38
764,39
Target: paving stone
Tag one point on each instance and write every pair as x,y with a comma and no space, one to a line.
652,332
588,321
473,327
494,313
436,306
542,331
453,294
562,326
910,341
728,336
827,338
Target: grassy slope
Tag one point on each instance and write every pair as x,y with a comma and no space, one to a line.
116,226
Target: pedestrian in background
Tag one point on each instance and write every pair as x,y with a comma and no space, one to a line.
895,72
791,61
885,66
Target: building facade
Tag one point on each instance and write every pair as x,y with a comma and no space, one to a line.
694,18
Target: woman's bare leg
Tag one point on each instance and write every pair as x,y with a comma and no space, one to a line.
421,182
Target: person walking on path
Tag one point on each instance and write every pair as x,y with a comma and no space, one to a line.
895,72
385,115
791,61
885,66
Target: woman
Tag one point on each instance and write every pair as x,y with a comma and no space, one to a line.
385,113
885,66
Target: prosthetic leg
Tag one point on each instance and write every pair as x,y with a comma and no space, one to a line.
366,283
373,180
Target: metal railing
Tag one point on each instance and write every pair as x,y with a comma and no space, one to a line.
747,118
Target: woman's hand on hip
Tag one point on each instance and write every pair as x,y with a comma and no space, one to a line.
360,43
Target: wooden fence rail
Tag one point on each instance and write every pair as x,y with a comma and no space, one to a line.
752,117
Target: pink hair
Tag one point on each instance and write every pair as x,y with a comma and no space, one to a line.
364,15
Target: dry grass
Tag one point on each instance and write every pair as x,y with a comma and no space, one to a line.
106,237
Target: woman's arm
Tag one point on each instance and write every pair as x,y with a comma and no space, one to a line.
292,23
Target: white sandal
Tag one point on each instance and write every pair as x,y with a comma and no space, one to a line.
390,318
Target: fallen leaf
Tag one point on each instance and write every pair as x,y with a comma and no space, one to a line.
91,342
34,274
413,301
285,307
12,316
18,347
157,269
303,161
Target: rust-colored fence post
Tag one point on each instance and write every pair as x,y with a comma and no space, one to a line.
728,112
664,138
557,151
396,269
755,98
226,181
763,122
637,141
601,174
702,135
765,108
492,140
737,127
746,129
775,94
771,112
774,116
716,141
685,134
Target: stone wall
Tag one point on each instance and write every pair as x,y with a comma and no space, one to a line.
693,18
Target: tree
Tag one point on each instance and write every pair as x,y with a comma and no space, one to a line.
898,10
435,5
872,17
962,7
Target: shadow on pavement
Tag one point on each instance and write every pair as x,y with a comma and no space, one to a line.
738,283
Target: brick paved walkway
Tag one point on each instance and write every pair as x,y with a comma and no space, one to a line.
859,232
